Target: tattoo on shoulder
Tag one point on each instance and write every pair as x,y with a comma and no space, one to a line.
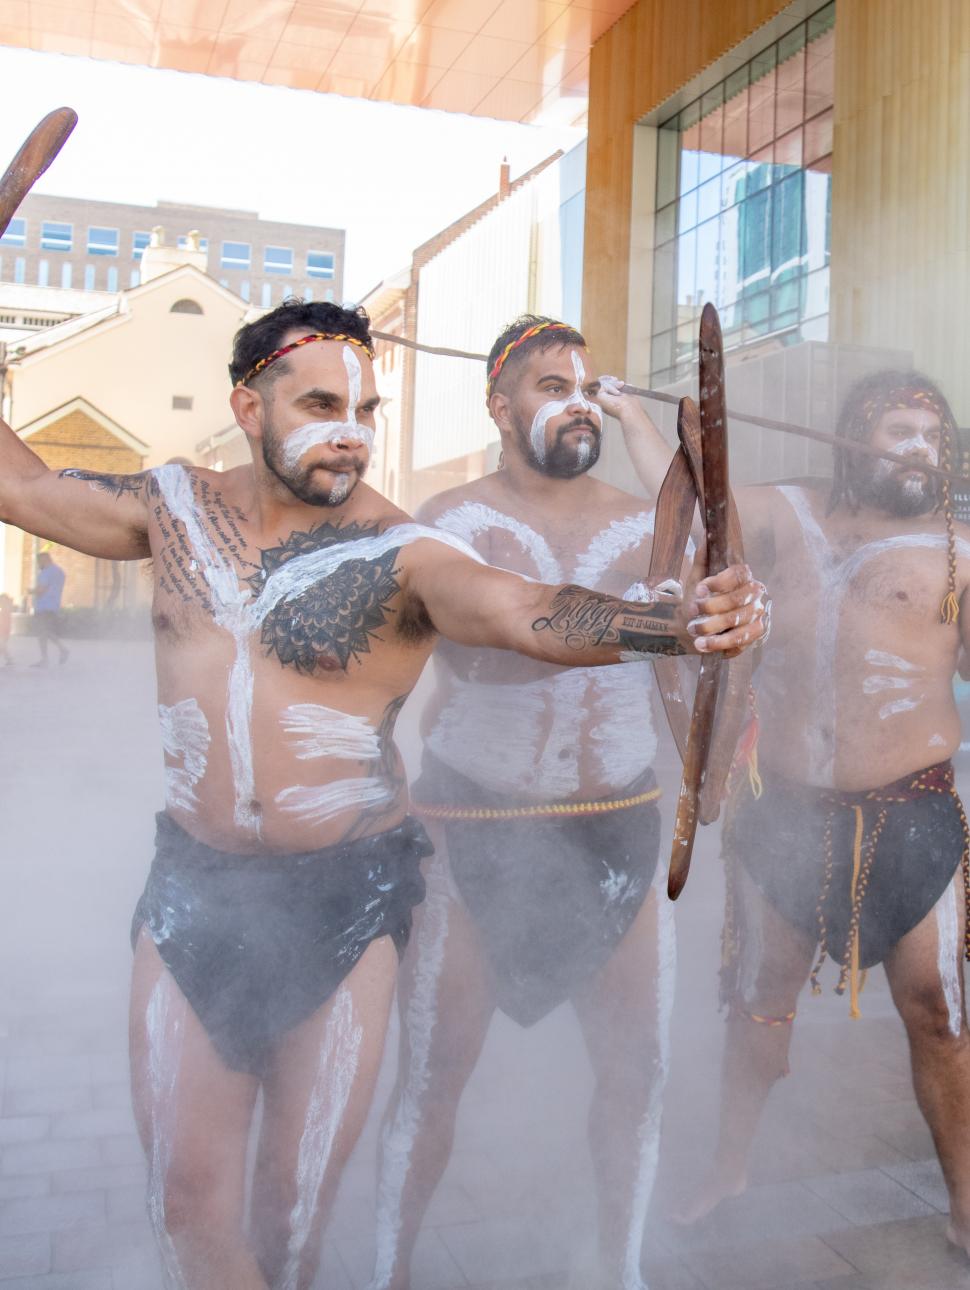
333,619
117,485
585,619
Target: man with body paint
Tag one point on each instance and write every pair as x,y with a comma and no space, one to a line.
857,846
537,784
294,609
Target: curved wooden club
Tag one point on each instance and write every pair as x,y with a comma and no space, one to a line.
713,490
41,147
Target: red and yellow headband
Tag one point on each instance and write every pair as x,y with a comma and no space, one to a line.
304,340
514,345
905,396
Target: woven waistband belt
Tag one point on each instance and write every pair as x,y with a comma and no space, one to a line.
554,810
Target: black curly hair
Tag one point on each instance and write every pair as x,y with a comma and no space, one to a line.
557,334
257,339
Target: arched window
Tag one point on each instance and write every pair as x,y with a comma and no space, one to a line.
186,306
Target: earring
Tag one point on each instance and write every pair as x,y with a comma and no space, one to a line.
501,459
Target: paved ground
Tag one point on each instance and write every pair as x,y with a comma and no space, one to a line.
845,1192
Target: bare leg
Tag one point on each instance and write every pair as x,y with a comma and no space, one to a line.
776,962
446,1003
316,1096
925,971
193,1115
625,1016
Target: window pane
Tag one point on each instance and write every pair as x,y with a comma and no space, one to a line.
265,295
319,264
786,252
709,199
687,211
112,278
755,242
815,300
665,224
183,243
790,81
102,241
244,290
820,62
761,102
788,152
134,278
277,259
16,234
43,273
668,142
236,255
138,243
707,271
66,275
734,184
712,133
56,237
686,270
663,288
662,350
89,277
20,269
818,137
736,118
690,143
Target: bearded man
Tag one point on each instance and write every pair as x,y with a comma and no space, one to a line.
538,787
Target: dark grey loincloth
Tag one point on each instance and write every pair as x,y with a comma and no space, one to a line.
552,896
257,943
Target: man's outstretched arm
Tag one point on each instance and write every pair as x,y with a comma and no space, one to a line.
101,515
474,604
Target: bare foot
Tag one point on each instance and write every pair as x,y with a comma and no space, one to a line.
959,1238
719,1185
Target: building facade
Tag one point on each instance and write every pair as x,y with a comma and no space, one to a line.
77,244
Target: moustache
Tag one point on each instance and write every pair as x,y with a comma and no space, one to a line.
581,423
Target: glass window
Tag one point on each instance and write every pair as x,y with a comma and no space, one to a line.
139,241
89,278
236,255
67,274
319,264
43,273
56,237
20,269
244,290
134,278
16,234
183,242
112,278
277,259
102,241
265,296
743,200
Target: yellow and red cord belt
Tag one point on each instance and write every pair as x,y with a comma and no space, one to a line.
553,810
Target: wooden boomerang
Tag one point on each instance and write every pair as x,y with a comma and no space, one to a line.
714,729
43,144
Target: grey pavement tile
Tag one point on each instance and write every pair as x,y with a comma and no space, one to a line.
126,1204
47,1072
63,1281
138,1269
104,1246
741,1220
915,1248
868,1197
23,1128
114,1097
766,1264
24,1256
432,1267
841,1153
509,1247
121,1151
109,1068
47,1101
49,1157
925,1178
101,1178
51,1213
93,1124
29,1185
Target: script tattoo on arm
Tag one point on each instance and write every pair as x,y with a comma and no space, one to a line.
585,619
335,618
116,485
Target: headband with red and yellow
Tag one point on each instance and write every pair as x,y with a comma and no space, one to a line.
514,345
304,340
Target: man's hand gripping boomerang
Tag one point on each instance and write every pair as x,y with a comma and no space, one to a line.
707,738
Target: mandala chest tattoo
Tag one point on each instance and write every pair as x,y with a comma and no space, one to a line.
332,619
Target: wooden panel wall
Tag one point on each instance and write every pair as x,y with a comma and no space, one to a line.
900,204
654,49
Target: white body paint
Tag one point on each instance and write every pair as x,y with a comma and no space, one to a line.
948,910
235,611
648,1131
834,580
556,407
317,804
164,1024
316,731
185,738
339,1060
542,727
314,433
400,1133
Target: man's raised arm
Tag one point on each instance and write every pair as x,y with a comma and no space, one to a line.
474,604
101,515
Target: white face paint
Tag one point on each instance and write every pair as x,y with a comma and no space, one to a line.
299,442
949,956
185,738
234,610
537,435
336,1073
916,443
401,1129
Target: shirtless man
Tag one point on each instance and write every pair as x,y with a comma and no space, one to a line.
538,786
294,609
854,850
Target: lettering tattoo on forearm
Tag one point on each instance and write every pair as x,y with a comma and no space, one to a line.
586,619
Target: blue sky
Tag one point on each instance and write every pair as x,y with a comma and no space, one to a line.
392,176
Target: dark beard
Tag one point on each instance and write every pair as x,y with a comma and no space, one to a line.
902,497
303,484
563,461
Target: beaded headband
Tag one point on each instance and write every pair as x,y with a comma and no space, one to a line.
905,396
304,340
514,344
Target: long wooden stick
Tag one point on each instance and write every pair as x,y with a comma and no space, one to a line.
41,147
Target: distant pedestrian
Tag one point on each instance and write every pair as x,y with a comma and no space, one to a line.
47,606
6,627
